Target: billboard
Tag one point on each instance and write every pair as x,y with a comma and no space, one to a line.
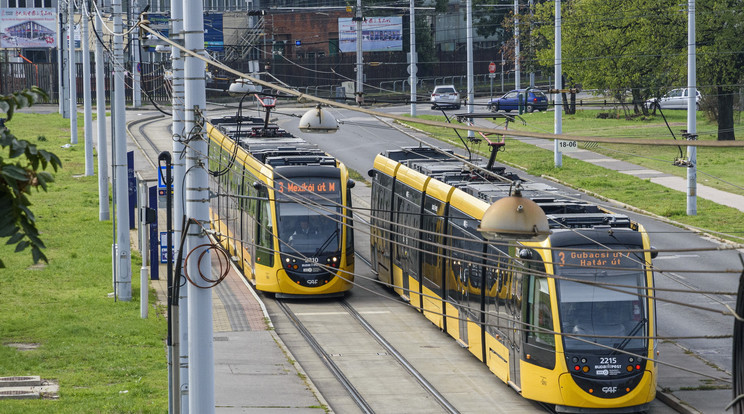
379,34
213,38
28,27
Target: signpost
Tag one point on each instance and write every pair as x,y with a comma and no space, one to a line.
492,74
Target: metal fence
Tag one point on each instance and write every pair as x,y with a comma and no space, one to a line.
15,77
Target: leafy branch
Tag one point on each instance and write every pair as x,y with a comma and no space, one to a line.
22,170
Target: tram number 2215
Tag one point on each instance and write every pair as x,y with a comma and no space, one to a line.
567,146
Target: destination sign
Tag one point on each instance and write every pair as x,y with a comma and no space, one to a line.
595,258
310,185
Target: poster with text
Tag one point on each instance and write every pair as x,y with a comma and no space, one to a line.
28,27
379,34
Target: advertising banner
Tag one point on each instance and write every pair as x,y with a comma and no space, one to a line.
379,34
213,35
28,27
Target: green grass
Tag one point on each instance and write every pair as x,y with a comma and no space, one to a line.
637,192
103,355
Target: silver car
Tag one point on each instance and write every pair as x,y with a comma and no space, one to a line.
445,96
674,99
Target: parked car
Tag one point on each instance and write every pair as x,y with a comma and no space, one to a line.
445,96
536,100
674,99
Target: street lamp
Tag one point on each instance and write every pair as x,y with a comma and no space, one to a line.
317,121
515,218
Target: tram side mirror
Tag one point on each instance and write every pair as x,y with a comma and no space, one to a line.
350,183
258,185
371,173
654,252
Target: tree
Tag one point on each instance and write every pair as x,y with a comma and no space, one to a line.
21,171
720,62
617,46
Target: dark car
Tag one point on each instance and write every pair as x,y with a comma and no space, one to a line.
536,100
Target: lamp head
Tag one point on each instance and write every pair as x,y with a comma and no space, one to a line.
241,87
318,121
515,218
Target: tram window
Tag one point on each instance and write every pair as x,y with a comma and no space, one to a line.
264,240
497,287
408,206
432,237
540,341
381,201
467,261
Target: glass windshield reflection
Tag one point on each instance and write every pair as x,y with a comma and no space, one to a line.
614,316
309,223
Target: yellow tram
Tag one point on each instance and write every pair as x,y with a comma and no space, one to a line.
281,207
568,321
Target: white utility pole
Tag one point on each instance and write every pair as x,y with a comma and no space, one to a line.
103,194
532,72
558,108
517,74
359,57
123,260
691,111
200,343
412,67
88,117
62,74
134,45
73,73
469,63
181,359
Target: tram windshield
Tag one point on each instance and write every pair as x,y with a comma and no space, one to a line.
309,215
603,302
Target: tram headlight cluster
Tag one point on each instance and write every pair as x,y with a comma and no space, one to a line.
291,264
332,261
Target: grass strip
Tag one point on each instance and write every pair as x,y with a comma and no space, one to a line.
104,357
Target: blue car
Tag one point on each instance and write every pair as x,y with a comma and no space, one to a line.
536,101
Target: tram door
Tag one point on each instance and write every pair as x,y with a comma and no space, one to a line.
466,269
514,311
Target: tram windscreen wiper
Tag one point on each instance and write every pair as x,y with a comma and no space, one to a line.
629,336
326,242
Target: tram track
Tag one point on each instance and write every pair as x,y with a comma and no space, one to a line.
389,351
141,124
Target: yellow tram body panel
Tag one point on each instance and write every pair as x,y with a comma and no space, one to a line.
433,309
468,204
643,393
475,345
497,357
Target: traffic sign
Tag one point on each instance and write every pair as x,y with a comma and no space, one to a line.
492,67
